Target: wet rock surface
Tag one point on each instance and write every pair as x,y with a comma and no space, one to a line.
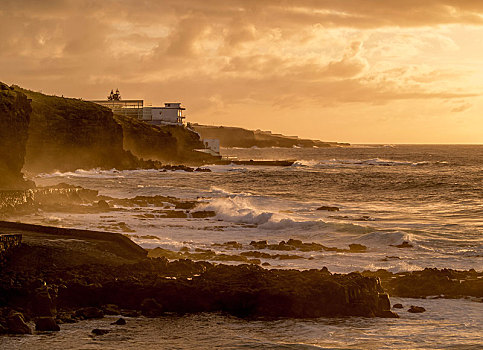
66,291
98,331
46,324
416,309
15,324
328,208
431,282
119,322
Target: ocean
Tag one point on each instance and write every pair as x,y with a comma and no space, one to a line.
429,196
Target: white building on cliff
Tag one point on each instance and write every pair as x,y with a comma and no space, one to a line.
171,113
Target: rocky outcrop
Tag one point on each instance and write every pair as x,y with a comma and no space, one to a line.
444,283
16,324
154,287
15,113
147,141
82,273
46,324
167,144
239,137
67,134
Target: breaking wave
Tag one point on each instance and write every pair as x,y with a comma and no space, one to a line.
359,162
252,210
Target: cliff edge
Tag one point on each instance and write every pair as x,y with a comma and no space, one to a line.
68,134
15,113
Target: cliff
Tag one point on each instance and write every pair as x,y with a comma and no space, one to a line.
67,134
170,144
239,137
14,123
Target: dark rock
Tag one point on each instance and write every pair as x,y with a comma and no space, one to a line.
281,246
203,170
416,309
130,313
229,245
42,304
172,214
88,313
203,214
111,309
3,330
259,244
16,324
358,248
398,306
430,282
328,208
46,324
295,242
151,308
65,318
102,204
119,322
388,314
97,331
404,244
384,302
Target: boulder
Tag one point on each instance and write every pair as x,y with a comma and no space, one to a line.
103,205
328,208
111,309
404,244
416,309
16,324
151,308
398,306
119,322
46,324
97,331
65,318
88,313
357,248
130,313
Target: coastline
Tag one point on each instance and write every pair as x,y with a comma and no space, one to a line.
46,258
83,274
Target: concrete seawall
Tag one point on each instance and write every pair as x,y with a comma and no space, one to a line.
125,247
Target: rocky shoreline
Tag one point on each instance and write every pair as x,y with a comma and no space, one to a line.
65,275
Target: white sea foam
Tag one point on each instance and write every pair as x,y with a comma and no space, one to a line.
254,210
357,162
385,238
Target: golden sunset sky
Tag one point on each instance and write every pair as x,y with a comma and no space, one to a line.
359,71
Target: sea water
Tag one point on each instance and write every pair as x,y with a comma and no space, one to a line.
428,196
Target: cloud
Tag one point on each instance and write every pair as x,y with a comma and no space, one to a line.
274,52
461,106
